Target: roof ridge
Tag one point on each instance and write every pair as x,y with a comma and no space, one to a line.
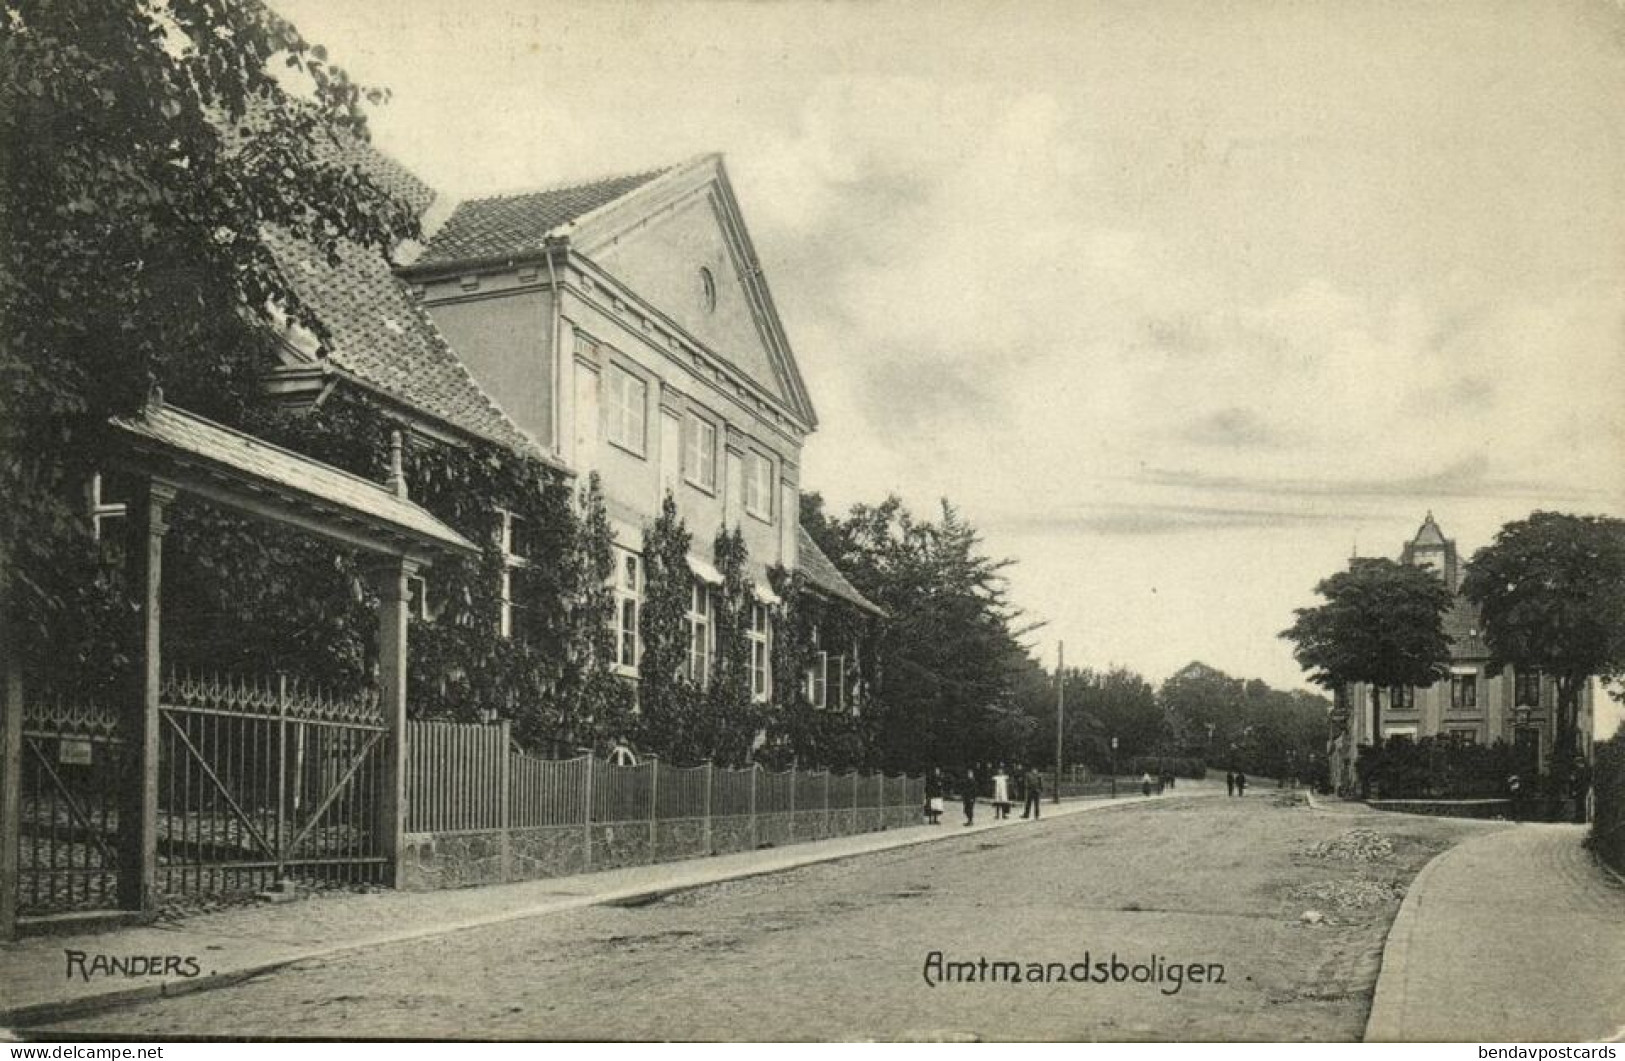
571,184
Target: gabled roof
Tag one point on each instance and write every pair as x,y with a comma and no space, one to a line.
826,577
595,215
1428,533
381,336
512,226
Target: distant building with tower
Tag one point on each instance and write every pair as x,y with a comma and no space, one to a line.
1477,703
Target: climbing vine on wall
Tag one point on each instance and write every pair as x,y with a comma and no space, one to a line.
254,597
668,699
797,731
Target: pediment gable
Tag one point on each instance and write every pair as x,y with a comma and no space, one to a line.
679,244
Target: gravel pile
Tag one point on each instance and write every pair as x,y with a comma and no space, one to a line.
1356,845
1351,894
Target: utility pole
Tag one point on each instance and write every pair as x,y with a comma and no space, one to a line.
1060,714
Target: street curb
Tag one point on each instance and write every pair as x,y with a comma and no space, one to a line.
1384,1018
51,1012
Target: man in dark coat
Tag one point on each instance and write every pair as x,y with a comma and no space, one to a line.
1230,782
1033,783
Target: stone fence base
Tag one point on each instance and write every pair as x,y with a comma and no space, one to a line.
494,856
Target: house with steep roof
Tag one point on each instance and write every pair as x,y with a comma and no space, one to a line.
628,329
1477,702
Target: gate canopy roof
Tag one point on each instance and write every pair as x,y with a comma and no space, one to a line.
250,475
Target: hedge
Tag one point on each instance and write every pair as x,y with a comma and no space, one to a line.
1607,837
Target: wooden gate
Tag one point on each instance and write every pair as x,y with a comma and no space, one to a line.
76,769
261,781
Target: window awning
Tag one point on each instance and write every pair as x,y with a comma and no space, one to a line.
704,570
238,471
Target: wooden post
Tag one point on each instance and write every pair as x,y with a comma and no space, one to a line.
710,776
790,830
138,819
11,768
504,781
389,577
755,833
586,814
654,796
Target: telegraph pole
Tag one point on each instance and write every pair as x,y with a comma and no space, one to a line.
1060,714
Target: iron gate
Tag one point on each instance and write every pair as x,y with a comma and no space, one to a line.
261,781
76,769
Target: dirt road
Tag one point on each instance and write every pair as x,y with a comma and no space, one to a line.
892,945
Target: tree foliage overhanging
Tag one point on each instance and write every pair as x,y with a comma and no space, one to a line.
145,150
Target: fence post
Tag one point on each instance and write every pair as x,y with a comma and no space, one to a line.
857,784
829,822
755,836
790,832
11,782
281,771
710,773
504,782
654,796
586,813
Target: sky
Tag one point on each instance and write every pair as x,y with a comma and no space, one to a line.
1181,304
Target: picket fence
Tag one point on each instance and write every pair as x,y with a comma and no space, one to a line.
480,811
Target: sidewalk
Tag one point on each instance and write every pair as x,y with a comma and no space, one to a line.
37,983
1515,936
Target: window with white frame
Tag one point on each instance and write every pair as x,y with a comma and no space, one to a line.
514,538
699,632
1463,692
758,485
102,508
628,590
826,678
625,407
700,452
760,659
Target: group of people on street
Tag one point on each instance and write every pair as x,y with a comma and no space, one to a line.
1235,783
1027,785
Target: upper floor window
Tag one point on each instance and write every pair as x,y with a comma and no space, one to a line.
628,593
625,409
513,537
700,452
760,665
1402,698
1527,693
699,632
1464,691
758,485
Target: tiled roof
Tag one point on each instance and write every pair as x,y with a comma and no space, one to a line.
1465,630
824,575
264,464
511,225
380,335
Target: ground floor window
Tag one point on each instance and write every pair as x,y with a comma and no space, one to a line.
699,632
628,593
760,667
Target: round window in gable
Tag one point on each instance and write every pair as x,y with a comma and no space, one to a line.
708,290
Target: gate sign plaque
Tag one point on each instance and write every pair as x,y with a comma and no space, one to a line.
74,752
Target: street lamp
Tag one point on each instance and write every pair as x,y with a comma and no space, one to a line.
1114,768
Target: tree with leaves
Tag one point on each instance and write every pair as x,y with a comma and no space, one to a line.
146,151
1550,591
1382,624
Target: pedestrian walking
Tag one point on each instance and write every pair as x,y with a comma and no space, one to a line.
967,796
1001,792
1145,783
1230,782
1241,783
1034,785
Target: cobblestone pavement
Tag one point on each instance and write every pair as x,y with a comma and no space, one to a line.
1523,914
840,950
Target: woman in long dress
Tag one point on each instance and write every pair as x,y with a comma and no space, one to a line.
1001,793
